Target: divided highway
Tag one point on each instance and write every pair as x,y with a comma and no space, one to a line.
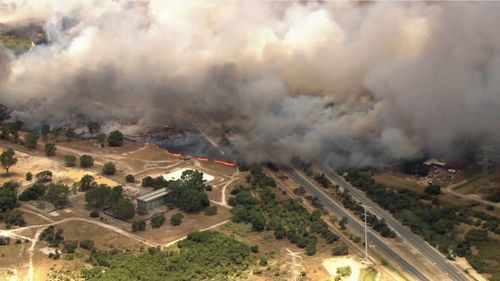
354,222
405,233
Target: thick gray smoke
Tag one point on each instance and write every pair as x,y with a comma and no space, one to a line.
357,84
4,65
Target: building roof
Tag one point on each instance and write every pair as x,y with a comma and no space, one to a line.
436,162
178,173
153,195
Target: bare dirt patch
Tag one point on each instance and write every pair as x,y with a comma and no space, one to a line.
333,264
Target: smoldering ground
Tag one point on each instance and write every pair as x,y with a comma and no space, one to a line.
357,84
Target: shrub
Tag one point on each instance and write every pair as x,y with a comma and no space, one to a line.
344,271
109,168
139,225
254,248
44,177
157,220
130,178
50,149
86,161
433,189
340,250
94,214
29,176
490,208
87,245
70,160
211,211
70,246
263,261
176,219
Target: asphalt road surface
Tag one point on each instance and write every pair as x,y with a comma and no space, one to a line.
354,223
405,233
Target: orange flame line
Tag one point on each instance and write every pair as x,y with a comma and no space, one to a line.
178,155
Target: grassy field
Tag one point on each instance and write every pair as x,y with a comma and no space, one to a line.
397,181
490,253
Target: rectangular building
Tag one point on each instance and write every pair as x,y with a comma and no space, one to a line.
152,200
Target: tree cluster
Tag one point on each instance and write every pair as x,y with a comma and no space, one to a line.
201,256
288,218
188,193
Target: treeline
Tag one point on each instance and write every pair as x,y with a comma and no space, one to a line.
101,196
434,221
8,202
9,130
377,224
288,219
201,256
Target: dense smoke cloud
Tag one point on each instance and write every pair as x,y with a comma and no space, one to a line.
357,84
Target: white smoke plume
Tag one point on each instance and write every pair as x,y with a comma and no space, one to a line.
356,83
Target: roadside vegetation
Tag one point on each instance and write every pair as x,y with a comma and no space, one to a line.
288,218
438,223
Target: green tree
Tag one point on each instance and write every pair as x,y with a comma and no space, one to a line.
147,181
13,129
123,209
311,246
115,139
14,217
93,127
86,183
70,160
87,244
102,196
109,168
343,222
130,178
50,149
8,159
8,196
86,161
176,219
31,140
33,192
139,225
29,176
157,220
57,194
188,193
